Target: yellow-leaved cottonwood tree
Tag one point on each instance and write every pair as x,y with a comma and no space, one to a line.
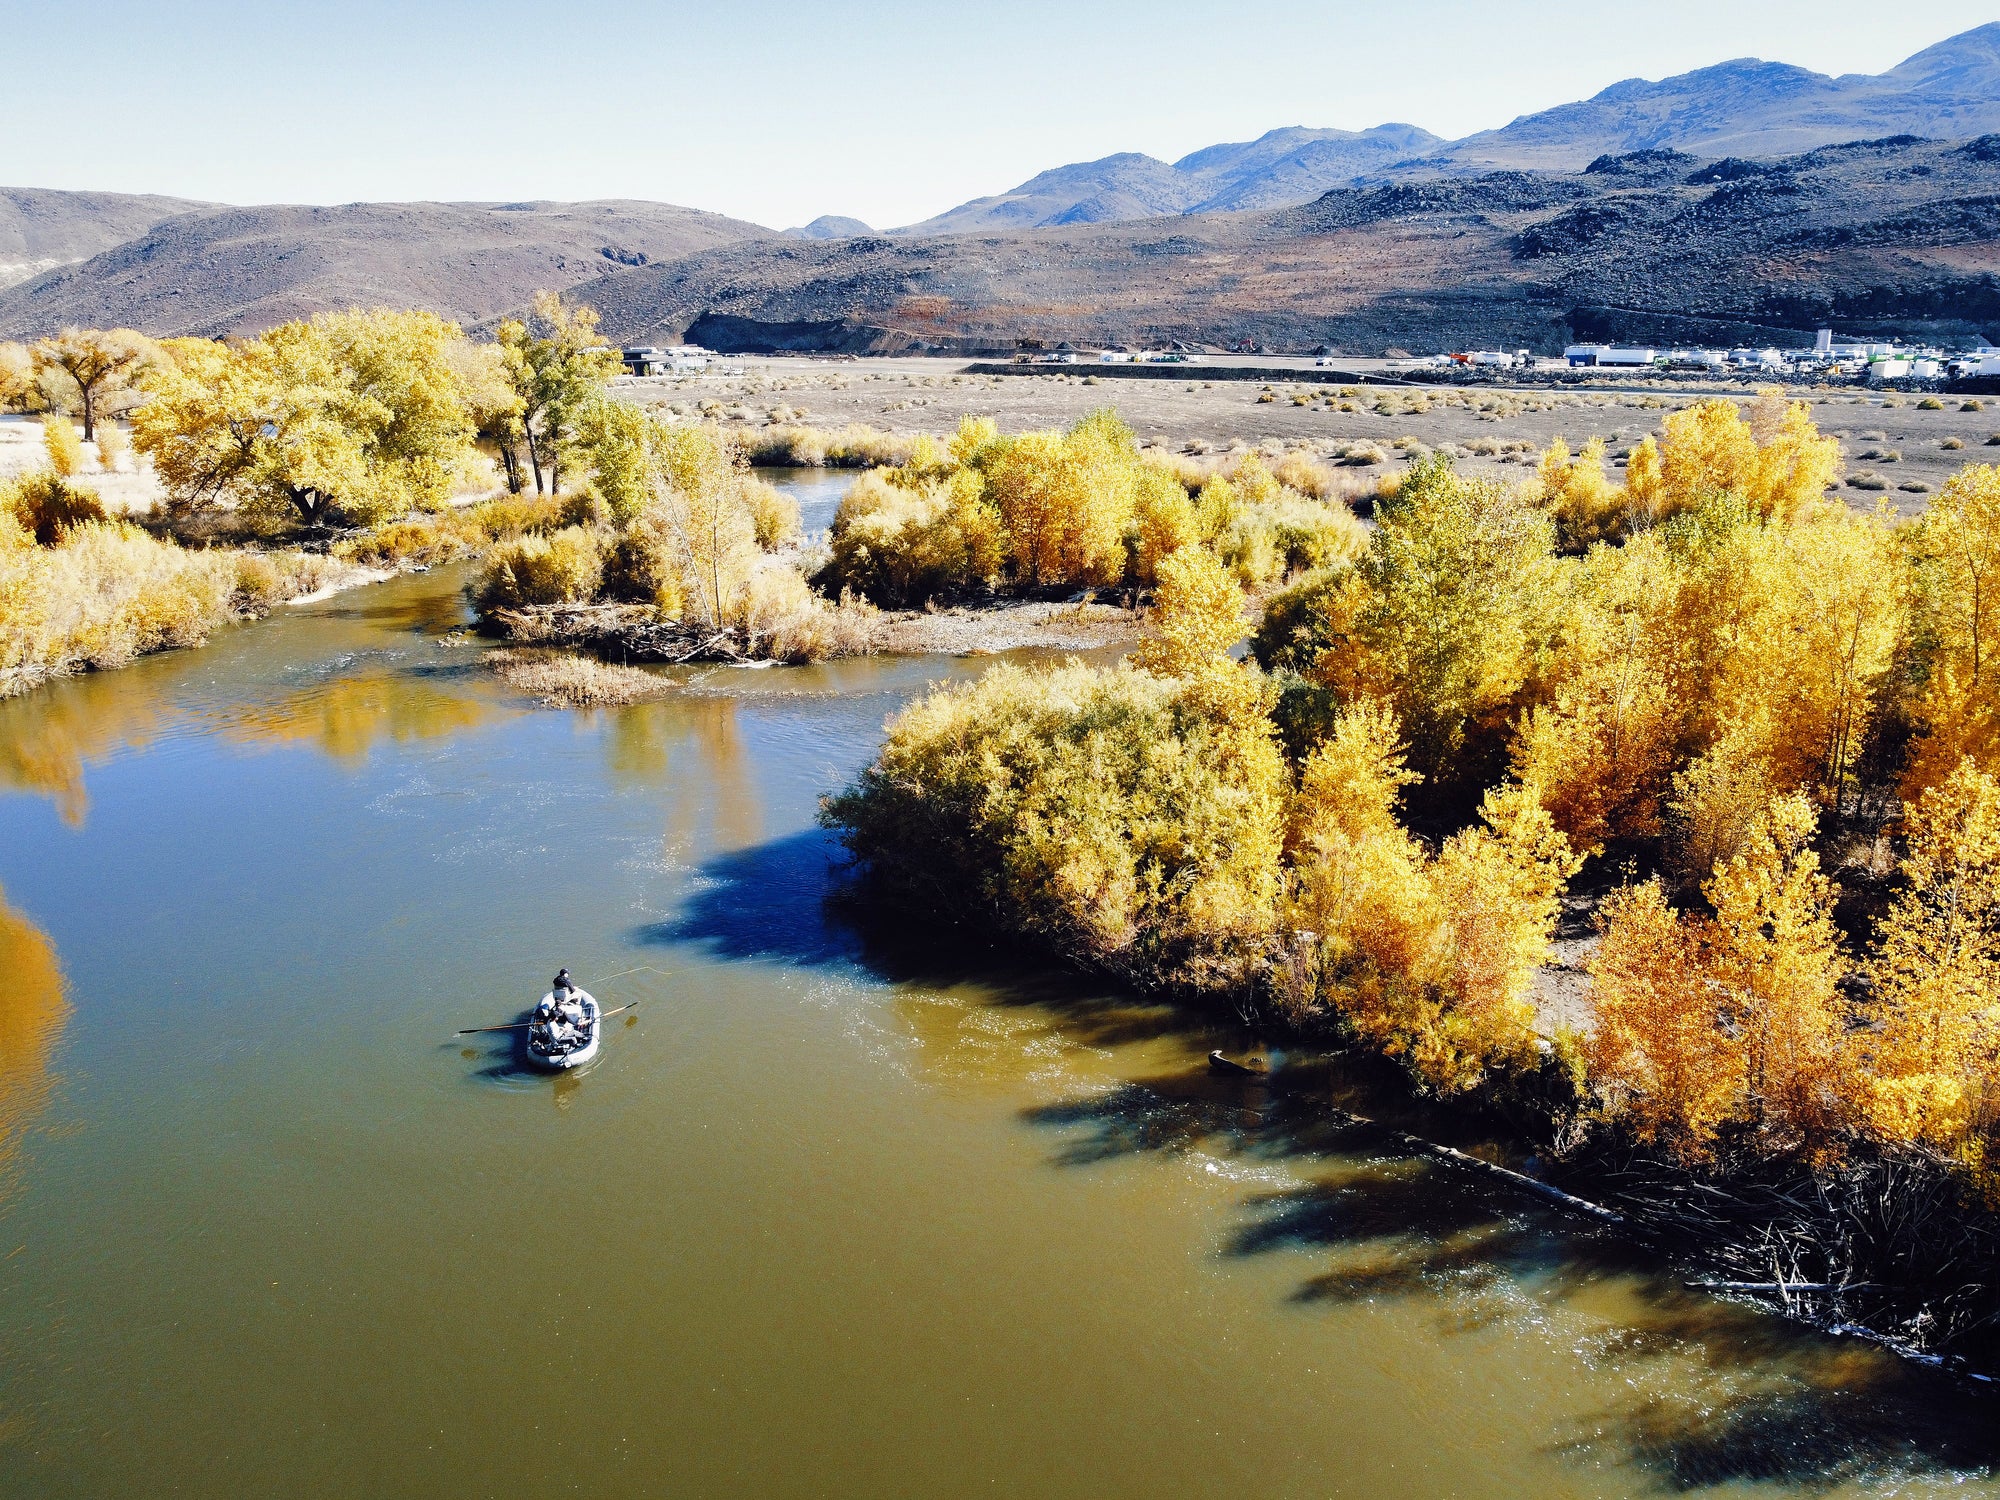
98,363
356,416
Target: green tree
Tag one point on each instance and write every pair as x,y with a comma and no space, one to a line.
558,365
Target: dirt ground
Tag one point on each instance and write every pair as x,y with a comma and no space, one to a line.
132,486
1888,436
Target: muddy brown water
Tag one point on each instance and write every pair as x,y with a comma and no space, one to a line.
852,1208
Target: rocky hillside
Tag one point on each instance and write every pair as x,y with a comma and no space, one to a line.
240,270
1900,233
41,228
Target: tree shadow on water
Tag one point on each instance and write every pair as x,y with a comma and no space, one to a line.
794,900
1678,1388
769,902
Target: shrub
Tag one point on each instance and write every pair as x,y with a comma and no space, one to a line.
1163,518
775,515
1952,443
897,542
1287,534
64,445
783,618
563,679
1310,616
1975,404
1930,403
1184,471
506,516
267,579
1039,798
1867,479
112,444
104,595
855,446
47,507
427,540
565,567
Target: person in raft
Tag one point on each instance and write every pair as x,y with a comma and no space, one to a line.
559,1015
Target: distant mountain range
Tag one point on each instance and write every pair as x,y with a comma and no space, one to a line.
1279,167
1006,265
830,227
1741,108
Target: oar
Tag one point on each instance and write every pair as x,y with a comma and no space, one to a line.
523,1025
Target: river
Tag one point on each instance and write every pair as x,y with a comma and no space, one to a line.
847,1207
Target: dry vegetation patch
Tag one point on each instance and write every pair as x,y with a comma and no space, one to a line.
562,679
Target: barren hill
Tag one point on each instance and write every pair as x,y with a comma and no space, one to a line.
1657,245
240,270
41,228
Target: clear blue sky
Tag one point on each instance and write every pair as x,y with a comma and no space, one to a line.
777,111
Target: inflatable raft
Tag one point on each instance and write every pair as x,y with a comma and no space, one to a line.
546,1050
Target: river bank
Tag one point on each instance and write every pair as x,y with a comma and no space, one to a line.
947,1217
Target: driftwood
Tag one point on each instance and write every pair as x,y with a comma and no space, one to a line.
1888,1247
622,633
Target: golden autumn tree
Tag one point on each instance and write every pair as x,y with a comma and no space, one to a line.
1361,899
1777,959
1458,582
1431,960
1936,1063
96,362
1165,518
354,415
1065,500
1707,447
1603,746
1955,555
63,446
1660,1056
1795,465
1197,617
1585,505
557,364
1776,462
1498,887
1809,641
1645,484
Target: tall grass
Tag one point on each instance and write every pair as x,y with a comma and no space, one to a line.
107,594
855,446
